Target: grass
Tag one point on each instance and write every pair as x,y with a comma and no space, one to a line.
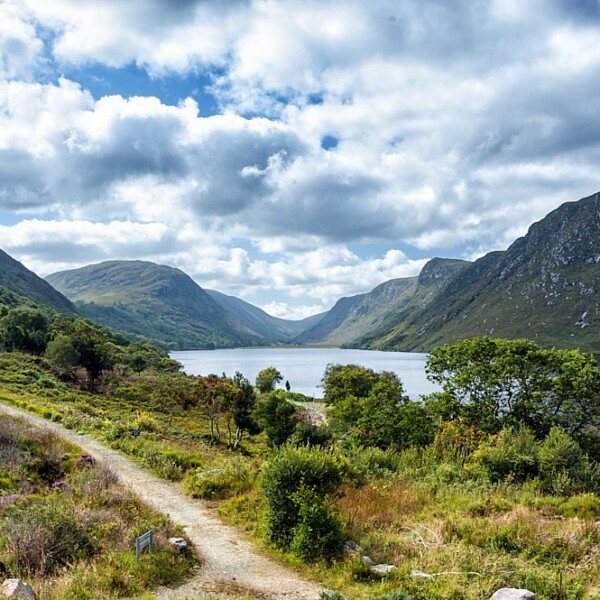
68,527
417,511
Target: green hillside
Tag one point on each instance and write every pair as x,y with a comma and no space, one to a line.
19,285
545,286
271,329
158,302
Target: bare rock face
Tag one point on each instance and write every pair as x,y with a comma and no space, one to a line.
15,588
513,594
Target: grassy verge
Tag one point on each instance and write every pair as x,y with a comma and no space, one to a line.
67,526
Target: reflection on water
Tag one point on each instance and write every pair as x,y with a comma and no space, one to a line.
304,367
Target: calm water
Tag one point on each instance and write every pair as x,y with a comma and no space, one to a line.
304,367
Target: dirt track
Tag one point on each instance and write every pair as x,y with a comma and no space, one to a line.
231,566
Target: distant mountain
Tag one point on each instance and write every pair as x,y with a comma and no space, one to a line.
353,321
271,329
19,285
545,286
158,302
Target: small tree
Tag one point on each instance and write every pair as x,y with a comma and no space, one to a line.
24,329
277,418
267,379
62,354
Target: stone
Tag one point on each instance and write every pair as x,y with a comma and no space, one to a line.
350,548
179,544
367,560
15,588
383,569
513,594
417,573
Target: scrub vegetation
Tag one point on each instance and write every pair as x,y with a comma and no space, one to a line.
493,481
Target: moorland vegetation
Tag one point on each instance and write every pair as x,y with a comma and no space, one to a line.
493,481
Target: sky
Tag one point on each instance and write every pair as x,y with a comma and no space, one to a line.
291,152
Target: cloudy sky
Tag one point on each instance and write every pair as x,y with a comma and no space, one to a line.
291,152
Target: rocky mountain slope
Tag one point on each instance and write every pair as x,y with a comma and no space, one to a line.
19,285
154,301
545,286
352,321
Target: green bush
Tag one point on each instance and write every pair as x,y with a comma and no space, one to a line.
512,454
318,533
311,471
560,459
585,506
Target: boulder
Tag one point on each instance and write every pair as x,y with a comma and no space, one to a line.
367,560
513,594
382,569
15,588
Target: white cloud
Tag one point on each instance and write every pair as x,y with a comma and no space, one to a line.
456,126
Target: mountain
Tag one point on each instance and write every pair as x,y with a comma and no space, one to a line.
545,286
353,320
272,329
158,302
19,285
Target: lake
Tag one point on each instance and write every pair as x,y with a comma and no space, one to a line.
304,367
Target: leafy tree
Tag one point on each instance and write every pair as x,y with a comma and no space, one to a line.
373,410
62,353
341,381
96,351
175,389
24,329
496,383
241,404
277,418
143,355
267,379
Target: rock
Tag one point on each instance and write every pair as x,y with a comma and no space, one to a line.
179,544
350,548
417,573
15,588
382,569
367,560
513,594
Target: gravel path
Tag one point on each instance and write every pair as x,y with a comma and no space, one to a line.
231,565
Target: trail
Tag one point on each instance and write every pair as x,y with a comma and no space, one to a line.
231,565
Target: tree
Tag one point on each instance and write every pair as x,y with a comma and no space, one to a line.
143,355
267,379
495,383
24,329
277,417
175,389
241,404
96,351
62,354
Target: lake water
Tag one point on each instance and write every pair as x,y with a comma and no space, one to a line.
304,367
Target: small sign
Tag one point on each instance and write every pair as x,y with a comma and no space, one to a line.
143,542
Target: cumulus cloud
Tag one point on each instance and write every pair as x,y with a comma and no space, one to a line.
455,126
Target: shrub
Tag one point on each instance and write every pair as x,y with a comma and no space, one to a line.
319,531
585,506
513,453
288,481
560,460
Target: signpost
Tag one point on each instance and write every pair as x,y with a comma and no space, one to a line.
143,542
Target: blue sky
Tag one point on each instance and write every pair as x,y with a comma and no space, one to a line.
291,153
